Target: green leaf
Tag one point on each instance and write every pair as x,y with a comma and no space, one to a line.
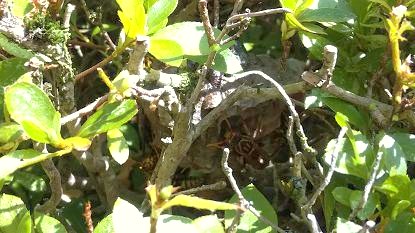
131,136
10,70
225,61
133,17
47,224
314,43
360,8
14,49
110,116
400,207
249,222
198,203
291,4
208,223
348,161
126,217
393,159
105,225
14,217
336,15
407,142
404,223
342,225
29,106
293,22
21,8
355,117
158,27
149,3
117,145
10,132
351,199
15,160
158,12
30,181
194,45
167,51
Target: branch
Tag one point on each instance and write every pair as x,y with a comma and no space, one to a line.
210,187
55,187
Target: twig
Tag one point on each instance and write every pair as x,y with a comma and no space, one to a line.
313,223
204,15
88,217
242,201
108,59
55,183
330,172
245,16
136,63
99,24
379,111
291,107
67,16
237,6
216,9
368,186
87,109
209,187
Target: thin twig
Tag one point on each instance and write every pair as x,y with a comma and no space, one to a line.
330,172
368,186
216,9
86,110
55,182
242,201
209,187
67,16
204,15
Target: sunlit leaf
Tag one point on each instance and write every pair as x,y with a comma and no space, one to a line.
29,106
158,12
349,161
47,224
105,225
117,145
194,45
126,217
167,51
133,17
393,156
208,224
110,116
14,215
